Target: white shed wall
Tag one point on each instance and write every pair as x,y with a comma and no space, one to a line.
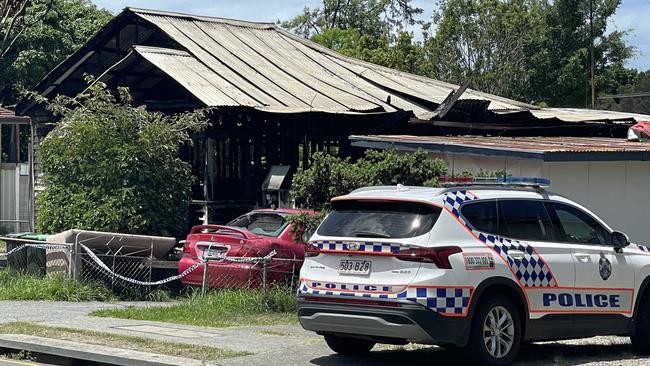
615,191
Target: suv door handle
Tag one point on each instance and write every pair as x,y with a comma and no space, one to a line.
516,254
583,257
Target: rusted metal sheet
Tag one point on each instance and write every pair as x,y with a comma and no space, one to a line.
528,144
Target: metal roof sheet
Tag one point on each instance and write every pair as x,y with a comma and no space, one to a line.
226,62
276,69
544,148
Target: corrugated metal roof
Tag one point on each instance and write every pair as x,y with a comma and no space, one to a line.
225,62
545,148
261,65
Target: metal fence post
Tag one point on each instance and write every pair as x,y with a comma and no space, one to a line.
264,269
76,258
204,285
293,270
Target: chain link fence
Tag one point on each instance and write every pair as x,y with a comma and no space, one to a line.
140,273
254,269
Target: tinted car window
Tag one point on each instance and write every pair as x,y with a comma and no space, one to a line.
262,223
379,219
580,227
481,215
525,220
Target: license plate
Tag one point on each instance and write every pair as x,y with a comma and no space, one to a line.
354,267
214,253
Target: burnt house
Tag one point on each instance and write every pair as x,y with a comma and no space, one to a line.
278,98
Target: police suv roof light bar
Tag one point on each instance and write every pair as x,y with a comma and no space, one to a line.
535,182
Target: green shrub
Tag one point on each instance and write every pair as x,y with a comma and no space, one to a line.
110,166
330,176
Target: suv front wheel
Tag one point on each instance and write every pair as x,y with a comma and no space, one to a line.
495,336
348,346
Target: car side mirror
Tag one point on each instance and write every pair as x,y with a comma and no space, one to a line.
620,240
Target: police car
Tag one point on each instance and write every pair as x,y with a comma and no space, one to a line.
480,266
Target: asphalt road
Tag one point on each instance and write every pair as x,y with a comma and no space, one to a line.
284,345
598,351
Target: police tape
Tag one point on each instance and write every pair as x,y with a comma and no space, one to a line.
104,267
199,263
110,272
37,246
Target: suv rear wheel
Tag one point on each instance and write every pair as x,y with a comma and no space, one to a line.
348,346
495,336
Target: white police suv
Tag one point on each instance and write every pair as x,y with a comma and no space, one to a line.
485,267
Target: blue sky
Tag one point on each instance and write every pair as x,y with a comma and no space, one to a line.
632,14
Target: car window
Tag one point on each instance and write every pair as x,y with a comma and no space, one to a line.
579,227
525,220
481,215
262,223
379,219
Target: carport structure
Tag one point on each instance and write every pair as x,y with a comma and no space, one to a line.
278,98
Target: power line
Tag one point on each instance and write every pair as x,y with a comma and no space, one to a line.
626,95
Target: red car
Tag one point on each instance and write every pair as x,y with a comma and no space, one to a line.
233,250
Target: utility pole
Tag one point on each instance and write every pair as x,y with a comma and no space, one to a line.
591,50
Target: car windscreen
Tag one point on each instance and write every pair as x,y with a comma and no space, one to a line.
379,219
262,223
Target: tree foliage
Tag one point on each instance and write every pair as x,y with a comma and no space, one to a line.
47,32
632,82
487,41
110,166
329,176
374,18
531,50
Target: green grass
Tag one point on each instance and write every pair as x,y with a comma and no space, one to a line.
19,286
197,352
225,308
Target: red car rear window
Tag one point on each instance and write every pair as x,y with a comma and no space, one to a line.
262,223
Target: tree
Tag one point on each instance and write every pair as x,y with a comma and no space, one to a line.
110,166
330,176
531,50
562,60
402,54
374,18
47,32
633,82
487,41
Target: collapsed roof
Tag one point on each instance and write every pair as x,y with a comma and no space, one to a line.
183,60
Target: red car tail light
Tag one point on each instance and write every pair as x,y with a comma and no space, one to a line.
187,248
311,250
438,256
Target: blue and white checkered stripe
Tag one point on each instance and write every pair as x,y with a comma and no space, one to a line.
453,201
531,271
441,300
364,246
446,301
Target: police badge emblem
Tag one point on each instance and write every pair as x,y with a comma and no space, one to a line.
604,267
